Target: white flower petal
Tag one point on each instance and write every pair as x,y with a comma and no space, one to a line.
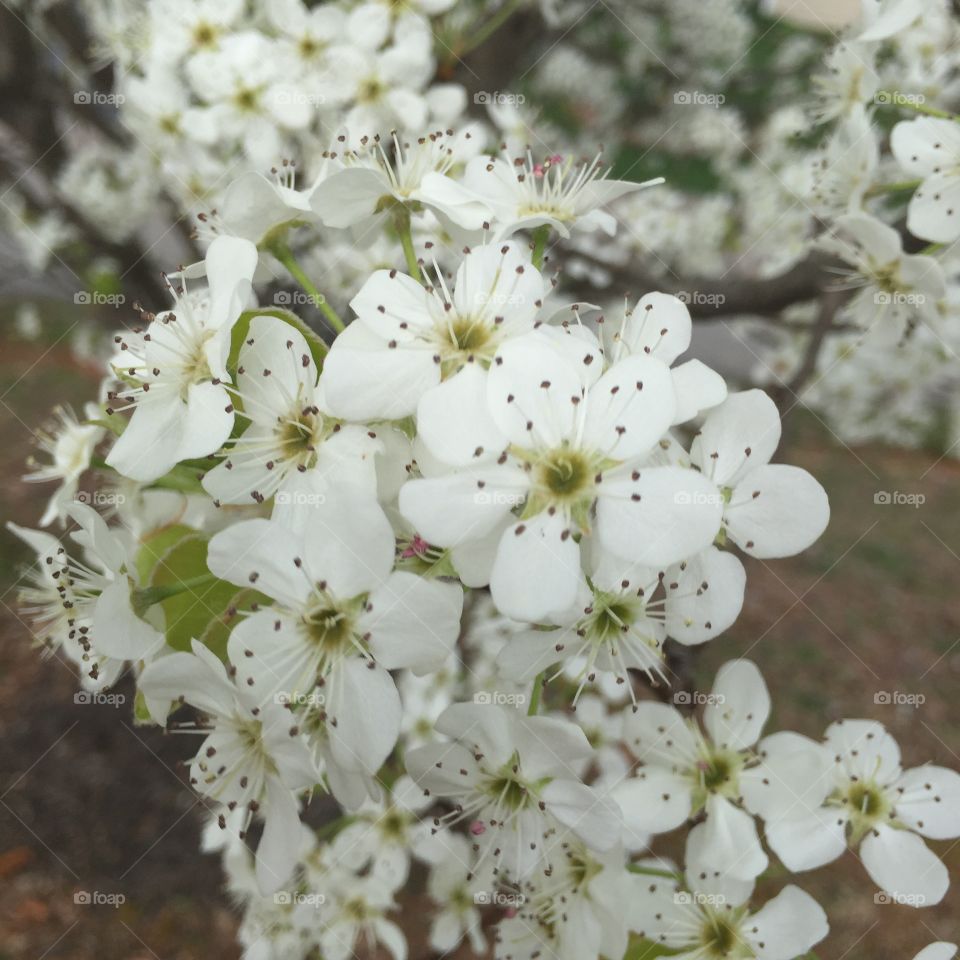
739,707
902,865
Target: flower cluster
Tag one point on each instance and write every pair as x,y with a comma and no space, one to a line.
414,539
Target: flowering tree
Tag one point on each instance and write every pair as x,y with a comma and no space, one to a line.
398,515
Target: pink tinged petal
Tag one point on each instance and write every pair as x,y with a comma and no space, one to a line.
704,596
697,388
462,507
794,777
412,622
902,865
729,840
657,734
928,801
282,839
924,144
864,749
739,435
349,543
776,511
537,569
659,515
117,631
364,378
260,554
934,211
739,707
654,801
534,392
454,420
594,818
629,408
362,738
786,926
807,839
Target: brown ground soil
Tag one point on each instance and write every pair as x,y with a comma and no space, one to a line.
90,803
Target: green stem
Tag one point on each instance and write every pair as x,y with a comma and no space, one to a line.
332,828
490,27
402,222
285,255
931,249
538,681
144,597
879,188
540,237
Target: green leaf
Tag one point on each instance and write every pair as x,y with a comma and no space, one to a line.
241,331
641,949
204,611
